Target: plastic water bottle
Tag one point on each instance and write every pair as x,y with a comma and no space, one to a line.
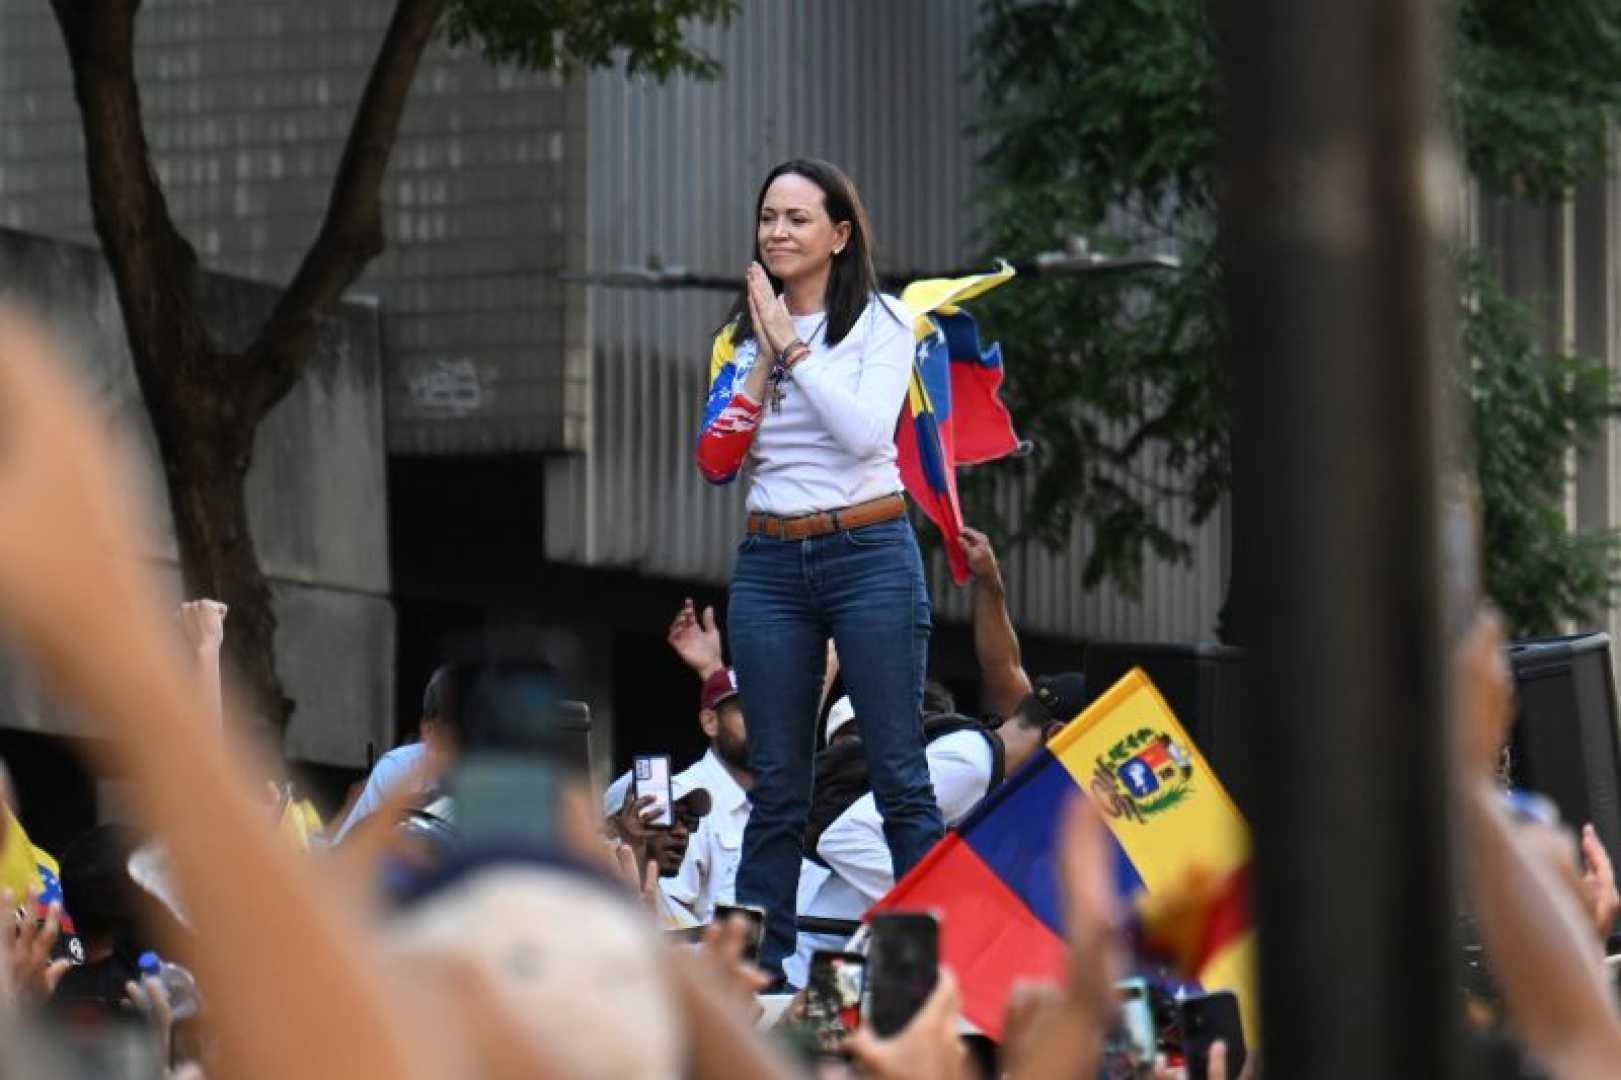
178,984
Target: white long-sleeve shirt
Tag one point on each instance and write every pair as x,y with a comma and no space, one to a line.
831,443
859,870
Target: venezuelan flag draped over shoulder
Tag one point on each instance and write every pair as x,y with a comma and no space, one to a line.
1181,857
953,414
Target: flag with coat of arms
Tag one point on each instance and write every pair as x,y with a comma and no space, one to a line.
1181,859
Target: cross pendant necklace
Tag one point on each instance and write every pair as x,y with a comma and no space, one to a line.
777,392
779,372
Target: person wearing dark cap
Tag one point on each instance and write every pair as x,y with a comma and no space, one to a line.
1054,700
419,763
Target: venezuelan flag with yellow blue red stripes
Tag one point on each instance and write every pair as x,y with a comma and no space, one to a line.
26,869
953,413
994,879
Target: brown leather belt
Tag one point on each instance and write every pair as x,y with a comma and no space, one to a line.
806,526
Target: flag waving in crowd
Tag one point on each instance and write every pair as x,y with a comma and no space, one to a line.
1176,834
953,414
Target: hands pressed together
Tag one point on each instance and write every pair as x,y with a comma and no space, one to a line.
773,325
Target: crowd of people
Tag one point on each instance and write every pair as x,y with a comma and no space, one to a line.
478,909
212,940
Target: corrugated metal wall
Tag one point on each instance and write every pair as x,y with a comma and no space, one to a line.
673,172
1177,602
672,176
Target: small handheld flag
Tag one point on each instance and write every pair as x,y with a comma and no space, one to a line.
1181,855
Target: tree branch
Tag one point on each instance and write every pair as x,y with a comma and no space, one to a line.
153,266
352,233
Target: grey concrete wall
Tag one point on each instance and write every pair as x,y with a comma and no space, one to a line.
247,106
316,493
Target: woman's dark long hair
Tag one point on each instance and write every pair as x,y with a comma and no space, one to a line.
853,282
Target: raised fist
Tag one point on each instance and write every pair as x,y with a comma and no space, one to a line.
203,623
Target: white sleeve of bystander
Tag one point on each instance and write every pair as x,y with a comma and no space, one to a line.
854,846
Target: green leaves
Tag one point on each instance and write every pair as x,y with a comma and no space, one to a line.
1104,125
1537,92
1530,410
1103,120
1108,102
568,35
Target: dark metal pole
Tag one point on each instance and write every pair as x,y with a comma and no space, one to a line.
1340,195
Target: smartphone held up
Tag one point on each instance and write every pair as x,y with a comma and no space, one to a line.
754,917
834,990
903,964
653,778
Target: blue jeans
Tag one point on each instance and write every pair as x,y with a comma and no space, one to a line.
864,588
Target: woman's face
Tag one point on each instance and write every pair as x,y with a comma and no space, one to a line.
795,234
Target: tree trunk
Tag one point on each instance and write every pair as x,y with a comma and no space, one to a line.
205,404
207,448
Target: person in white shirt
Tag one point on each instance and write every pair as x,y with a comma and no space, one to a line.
708,874
851,868
696,640
421,763
806,385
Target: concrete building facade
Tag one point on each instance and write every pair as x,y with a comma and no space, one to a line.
540,483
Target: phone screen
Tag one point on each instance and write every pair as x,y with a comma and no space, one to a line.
833,993
756,919
903,962
1137,1019
653,778
1205,1020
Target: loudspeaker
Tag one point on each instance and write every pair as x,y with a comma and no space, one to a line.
1203,684
1564,743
